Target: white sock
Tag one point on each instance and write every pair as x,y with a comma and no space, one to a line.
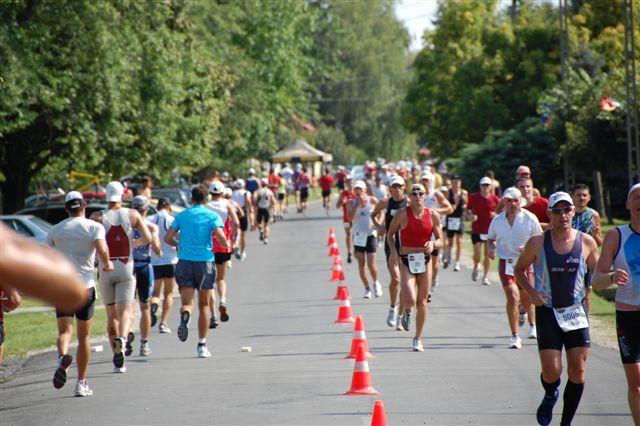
202,341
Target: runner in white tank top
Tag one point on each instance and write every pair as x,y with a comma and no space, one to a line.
243,198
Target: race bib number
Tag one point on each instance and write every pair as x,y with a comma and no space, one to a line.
484,237
571,318
393,212
360,239
417,264
453,223
508,266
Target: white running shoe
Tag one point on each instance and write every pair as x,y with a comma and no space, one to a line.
474,275
377,289
399,326
417,345
391,318
122,369
533,334
163,329
367,293
203,352
244,255
456,267
515,342
485,281
82,389
145,350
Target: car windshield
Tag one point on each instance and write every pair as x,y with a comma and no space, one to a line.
46,226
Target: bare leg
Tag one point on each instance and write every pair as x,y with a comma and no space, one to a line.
394,285
167,303
361,268
487,262
123,312
145,320
84,348
632,371
511,293
424,283
112,323
477,252
205,313
407,289
371,263
65,334
458,239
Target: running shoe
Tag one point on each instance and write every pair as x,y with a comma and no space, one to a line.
261,235
229,264
533,334
417,345
163,329
406,321
545,410
515,342
348,257
224,316
456,267
367,293
60,375
213,322
154,317
82,389
391,318
144,349
244,255
118,355
122,369
485,281
203,352
377,289
445,262
183,328
237,253
399,326
265,241
128,349
474,275
521,318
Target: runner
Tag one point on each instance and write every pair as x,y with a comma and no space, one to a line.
620,252
78,239
379,189
287,174
391,206
119,285
455,222
227,213
281,197
560,257
295,180
242,197
508,233
585,219
326,182
264,200
164,267
420,234
536,205
496,188
195,269
344,199
304,182
144,273
364,237
523,172
341,178
253,184
481,206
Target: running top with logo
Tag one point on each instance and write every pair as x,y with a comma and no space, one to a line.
141,254
584,221
75,238
118,233
221,208
252,184
539,207
347,196
196,224
482,207
418,230
561,276
362,223
169,255
628,259
264,195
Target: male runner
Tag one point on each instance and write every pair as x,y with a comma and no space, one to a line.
560,257
508,234
391,206
455,222
481,205
364,237
346,195
253,184
119,285
78,238
304,183
242,197
536,205
620,251
264,200
164,267
326,182
281,196
585,219
420,234
195,269
341,178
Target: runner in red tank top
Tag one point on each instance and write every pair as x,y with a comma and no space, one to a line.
345,196
420,234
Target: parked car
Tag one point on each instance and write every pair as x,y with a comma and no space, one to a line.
28,225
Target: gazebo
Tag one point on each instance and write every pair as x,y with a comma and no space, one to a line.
302,152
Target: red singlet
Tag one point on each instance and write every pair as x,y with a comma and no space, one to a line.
418,231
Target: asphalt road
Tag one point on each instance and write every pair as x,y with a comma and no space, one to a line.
280,305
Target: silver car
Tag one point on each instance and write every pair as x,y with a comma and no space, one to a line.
28,225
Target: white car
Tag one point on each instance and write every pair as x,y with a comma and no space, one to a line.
28,225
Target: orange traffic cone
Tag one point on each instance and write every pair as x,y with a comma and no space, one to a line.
379,417
333,251
345,315
359,338
342,292
361,379
337,261
337,274
332,237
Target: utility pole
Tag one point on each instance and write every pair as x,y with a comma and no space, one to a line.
569,177
633,146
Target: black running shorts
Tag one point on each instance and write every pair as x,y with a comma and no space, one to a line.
628,328
551,336
86,312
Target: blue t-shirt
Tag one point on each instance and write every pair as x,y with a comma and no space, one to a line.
196,224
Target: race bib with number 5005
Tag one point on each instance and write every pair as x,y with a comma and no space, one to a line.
417,264
571,318
360,240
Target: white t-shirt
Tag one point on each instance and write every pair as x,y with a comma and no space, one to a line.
169,253
508,238
381,192
74,237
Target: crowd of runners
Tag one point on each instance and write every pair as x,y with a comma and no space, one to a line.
550,254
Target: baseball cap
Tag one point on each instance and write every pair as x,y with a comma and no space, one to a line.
417,187
252,171
556,197
240,182
360,184
115,191
163,202
426,175
486,181
523,170
216,187
228,192
632,189
264,181
140,202
341,168
73,200
512,193
397,180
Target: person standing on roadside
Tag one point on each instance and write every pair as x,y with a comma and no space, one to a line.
78,238
196,267
508,234
560,258
481,206
619,264
119,285
326,182
454,224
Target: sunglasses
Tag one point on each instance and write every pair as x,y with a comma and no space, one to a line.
560,210
417,194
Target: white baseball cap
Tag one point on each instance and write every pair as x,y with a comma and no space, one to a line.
360,184
252,171
73,200
632,189
115,191
556,197
486,181
417,187
512,193
397,180
240,182
216,187
427,175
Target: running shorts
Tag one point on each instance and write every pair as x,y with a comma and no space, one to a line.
304,194
341,185
326,192
244,223
628,328
119,285
144,281
551,336
405,261
86,312
281,196
196,275
164,271
371,245
475,238
220,258
435,253
451,233
263,215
